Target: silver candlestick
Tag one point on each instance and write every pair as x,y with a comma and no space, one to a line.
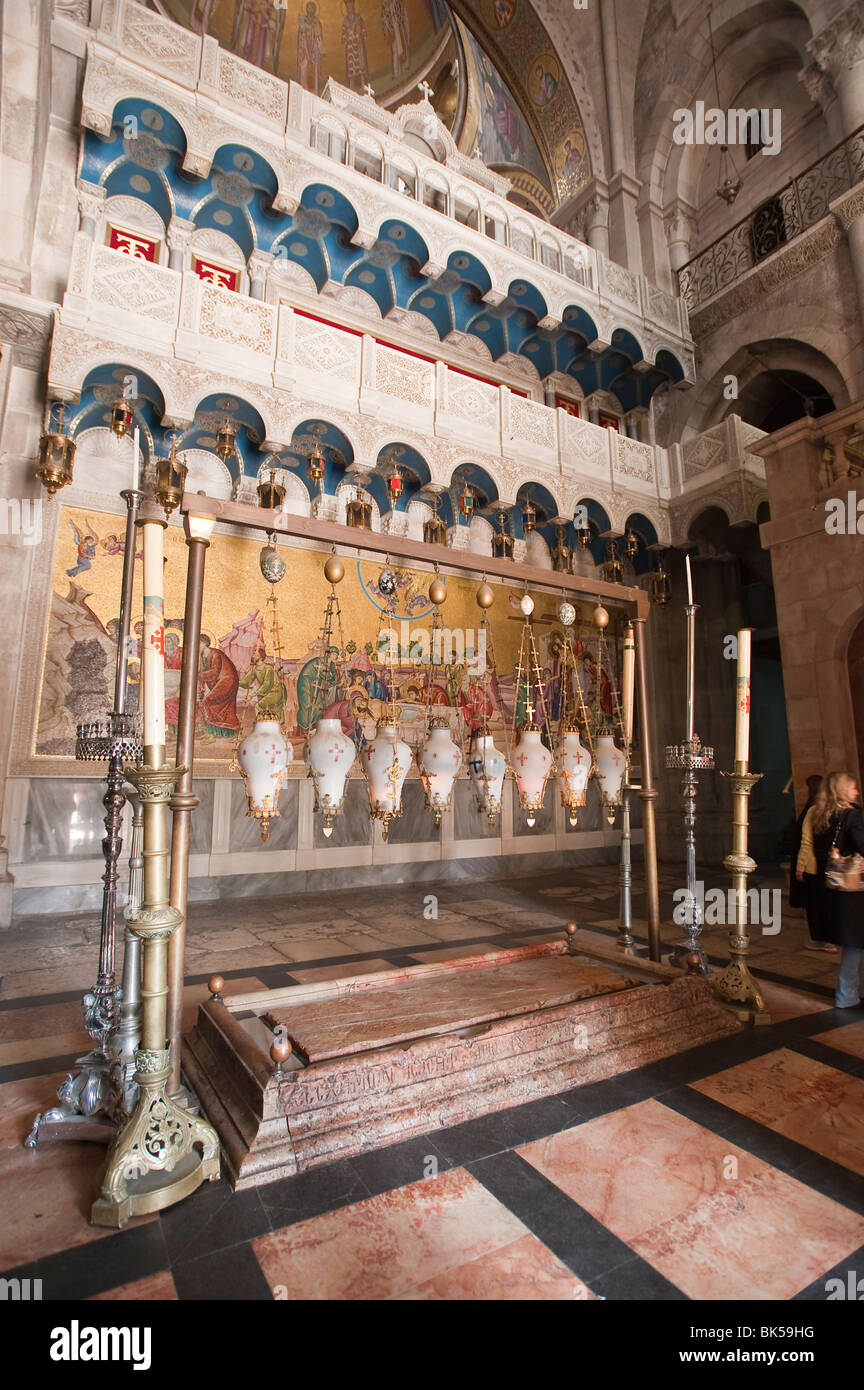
92,1098
692,756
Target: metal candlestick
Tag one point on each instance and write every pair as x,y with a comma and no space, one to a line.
734,985
626,939
691,756
91,1099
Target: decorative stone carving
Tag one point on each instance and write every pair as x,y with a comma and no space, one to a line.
157,43
27,332
840,45
408,378
133,213
137,287
234,320
633,458
251,87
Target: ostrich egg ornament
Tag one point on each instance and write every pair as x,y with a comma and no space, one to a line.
601,617
264,756
485,596
526,603
271,563
387,582
566,613
437,590
334,569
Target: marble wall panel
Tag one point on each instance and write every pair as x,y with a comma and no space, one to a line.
468,822
246,832
415,825
64,820
544,820
353,826
202,818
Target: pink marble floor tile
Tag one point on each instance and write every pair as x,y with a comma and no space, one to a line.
523,1271
713,1219
155,1288
390,1244
850,1038
814,1104
783,1001
636,1167
45,1193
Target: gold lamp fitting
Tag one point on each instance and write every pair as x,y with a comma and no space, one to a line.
121,417
226,440
170,480
56,459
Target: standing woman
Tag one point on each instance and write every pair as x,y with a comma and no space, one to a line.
811,849
838,823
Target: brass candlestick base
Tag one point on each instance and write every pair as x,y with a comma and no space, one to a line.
163,1153
734,986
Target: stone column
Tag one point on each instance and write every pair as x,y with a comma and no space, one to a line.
258,265
849,211
179,236
91,200
680,230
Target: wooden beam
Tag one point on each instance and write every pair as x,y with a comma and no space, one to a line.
351,538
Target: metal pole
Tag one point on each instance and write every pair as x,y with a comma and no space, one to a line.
183,802
625,877
647,794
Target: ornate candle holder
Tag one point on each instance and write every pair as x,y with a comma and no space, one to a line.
734,985
691,756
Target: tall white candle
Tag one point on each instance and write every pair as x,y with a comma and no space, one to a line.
689,579
742,697
135,446
628,681
153,637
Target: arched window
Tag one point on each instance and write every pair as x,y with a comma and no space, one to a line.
331,140
368,160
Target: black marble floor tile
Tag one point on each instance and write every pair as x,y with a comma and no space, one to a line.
213,1218
383,1170
226,1276
600,1097
506,1129
636,1281
834,1181
829,1056
570,1232
313,1193
100,1265
43,1066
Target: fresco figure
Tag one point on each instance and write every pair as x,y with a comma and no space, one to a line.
86,541
310,48
394,22
354,43
255,30
199,18
217,691
265,686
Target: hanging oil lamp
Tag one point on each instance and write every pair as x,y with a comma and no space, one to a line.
574,761
439,758
329,753
226,440
466,502
661,585
487,766
271,494
386,761
529,517
610,762
121,417
532,760
315,464
631,543
358,511
583,535
502,541
263,757
435,529
561,554
170,480
613,571
56,458
395,483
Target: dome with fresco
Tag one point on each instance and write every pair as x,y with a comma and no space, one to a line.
475,58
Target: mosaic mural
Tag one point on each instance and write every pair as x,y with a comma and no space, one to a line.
383,42
245,664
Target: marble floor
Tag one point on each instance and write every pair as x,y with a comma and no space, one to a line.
732,1171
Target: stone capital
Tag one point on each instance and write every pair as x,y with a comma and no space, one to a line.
840,45
180,232
91,198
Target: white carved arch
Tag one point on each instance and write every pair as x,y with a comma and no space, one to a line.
480,536
207,473
207,241
134,214
537,551
290,273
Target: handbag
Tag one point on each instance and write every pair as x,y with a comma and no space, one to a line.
844,871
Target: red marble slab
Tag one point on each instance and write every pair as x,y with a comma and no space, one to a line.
461,998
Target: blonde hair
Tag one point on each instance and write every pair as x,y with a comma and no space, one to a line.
833,798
